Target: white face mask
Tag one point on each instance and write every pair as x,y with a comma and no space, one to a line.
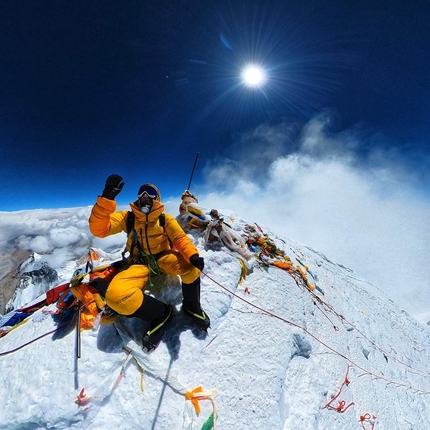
145,209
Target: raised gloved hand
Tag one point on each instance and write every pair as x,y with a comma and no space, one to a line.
197,261
113,187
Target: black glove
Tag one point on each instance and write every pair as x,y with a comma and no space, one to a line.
113,187
197,261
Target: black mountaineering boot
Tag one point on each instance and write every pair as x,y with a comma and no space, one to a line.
191,305
159,315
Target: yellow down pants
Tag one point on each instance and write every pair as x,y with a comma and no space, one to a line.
124,294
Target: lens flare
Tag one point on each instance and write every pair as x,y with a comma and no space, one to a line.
254,76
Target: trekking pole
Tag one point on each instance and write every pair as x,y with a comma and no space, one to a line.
192,172
77,344
78,333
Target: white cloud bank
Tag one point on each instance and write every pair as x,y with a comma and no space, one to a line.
366,212
60,235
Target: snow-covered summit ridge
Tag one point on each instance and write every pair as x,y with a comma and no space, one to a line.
277,354
36,278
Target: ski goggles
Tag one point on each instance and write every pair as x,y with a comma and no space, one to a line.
151,192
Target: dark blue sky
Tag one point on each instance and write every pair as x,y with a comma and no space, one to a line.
90,88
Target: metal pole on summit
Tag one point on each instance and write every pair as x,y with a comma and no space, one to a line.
77,344
78,332
192,172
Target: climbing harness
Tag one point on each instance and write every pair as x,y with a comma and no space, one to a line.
149,260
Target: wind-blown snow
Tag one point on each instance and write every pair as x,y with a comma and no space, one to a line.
275,354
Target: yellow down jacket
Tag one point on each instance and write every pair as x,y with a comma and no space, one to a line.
124,294
153,238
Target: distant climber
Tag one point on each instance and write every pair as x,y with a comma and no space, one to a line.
191,215
156,242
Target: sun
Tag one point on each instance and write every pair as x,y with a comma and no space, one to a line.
253,76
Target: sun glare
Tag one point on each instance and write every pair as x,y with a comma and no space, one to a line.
254,76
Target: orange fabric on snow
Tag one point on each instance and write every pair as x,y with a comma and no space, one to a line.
91,302
283,265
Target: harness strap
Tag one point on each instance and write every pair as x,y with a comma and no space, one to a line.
151,259
129,225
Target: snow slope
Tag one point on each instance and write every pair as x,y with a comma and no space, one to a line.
276,354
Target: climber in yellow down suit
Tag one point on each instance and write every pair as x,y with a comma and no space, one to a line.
155,242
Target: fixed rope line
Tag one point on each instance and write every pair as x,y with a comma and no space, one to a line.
299,282
302,284
35,339
293,324
336,328
344,321
47,333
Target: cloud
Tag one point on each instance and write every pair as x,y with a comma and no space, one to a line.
59,235
116,241
365,209
39,244
251,156
44,230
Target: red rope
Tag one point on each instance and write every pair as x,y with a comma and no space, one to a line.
336,328
345,321
341,408
36,339
368,418
398,384
299,281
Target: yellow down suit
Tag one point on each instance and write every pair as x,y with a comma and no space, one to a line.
124,294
